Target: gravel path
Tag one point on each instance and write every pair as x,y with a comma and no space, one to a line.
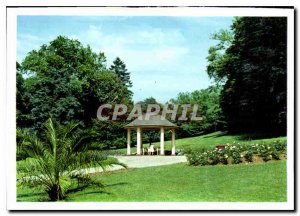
142,161
137,162
148,161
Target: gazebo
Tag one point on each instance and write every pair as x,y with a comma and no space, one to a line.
154,122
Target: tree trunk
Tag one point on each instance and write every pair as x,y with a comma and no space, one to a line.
55,193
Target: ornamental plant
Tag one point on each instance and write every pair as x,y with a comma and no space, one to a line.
265,152
249,156
223,156
275,154
236,152
213,157
236,156
59,160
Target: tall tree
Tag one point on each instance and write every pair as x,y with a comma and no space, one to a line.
208,101
68,81
20,89
216,57
150,100
254,67
24,117
120,69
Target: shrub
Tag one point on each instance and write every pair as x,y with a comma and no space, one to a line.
236,157
249,156
223,156
198,158
203,159
280,146
254,148
179,152
213,157
275,154
236,152
265,152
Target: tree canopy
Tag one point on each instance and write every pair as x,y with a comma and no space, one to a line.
67,81
253,68
208,101
120,69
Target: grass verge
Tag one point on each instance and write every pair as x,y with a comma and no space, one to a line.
264,182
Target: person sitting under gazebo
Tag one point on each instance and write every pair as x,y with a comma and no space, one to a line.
151,149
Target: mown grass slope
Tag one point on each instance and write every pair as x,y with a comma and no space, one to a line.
264,182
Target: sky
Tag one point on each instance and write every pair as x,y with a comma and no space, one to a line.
165,55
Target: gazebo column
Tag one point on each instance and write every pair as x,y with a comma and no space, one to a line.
173,141
162,141
128,141
142,151
138,141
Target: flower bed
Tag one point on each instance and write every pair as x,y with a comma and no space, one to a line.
237,153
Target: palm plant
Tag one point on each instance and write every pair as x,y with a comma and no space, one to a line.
58,162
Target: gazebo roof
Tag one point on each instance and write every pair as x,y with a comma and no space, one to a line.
153,122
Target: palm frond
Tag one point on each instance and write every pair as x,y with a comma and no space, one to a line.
58,158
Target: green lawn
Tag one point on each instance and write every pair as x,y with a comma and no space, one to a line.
206,141
180,182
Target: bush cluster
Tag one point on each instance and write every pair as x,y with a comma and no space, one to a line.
237,153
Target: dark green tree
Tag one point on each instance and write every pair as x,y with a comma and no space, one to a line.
20,90
108,134
255,73
208,101
68,81
24,117
120,69
150,100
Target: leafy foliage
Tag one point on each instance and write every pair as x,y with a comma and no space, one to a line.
57,158
150,100
252,67
208,101
216,57
237,153
108,134
249,156
120,69
67,81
